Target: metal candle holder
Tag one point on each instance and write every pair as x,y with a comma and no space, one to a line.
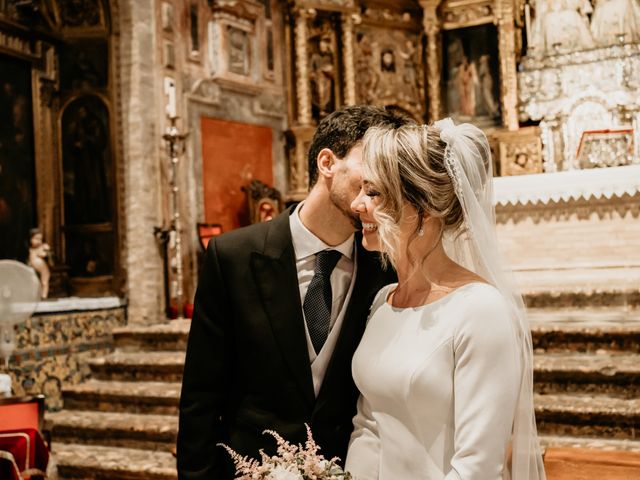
175,147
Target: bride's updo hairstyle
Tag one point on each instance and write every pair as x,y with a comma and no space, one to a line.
407,164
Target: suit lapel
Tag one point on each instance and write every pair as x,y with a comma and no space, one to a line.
368,281
276,278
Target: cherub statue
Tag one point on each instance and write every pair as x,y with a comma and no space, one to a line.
38,254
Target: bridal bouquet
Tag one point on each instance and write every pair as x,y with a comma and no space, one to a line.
292,462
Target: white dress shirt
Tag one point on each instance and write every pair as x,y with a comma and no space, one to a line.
306,245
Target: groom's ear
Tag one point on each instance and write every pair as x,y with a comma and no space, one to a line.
326,162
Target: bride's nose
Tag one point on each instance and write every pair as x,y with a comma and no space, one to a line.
358,205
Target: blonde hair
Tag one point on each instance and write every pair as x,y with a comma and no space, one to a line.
407,164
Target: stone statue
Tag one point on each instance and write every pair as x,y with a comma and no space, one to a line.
38,254
322,77
561,25
616,21
367,74
410,69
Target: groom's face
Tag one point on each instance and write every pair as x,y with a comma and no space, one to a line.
345,184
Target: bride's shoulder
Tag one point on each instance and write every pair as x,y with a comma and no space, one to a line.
381,296
480,299
484,304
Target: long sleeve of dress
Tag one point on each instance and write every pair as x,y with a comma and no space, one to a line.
487,366
364,448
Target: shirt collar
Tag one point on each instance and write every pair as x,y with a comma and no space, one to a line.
305,243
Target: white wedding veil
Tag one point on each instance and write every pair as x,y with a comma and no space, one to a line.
468,162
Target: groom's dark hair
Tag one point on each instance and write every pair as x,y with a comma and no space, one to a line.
343,129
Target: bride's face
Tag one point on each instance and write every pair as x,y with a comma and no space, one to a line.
364,205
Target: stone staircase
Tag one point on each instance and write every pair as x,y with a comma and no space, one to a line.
123,422
587,378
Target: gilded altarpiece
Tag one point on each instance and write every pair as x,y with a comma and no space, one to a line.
315,62
490,76
343,52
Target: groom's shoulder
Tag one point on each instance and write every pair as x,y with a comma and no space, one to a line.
250,238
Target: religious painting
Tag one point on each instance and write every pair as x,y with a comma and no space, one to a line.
17,159
471,78
81,13
89,253
88,181
84,66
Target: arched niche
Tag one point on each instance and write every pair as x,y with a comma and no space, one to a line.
88,189
68,51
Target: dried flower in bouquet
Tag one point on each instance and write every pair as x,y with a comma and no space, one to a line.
292,462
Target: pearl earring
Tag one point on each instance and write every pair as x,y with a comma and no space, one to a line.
421,232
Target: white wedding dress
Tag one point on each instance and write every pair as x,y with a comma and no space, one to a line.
439,388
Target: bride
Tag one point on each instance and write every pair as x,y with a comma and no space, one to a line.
445,364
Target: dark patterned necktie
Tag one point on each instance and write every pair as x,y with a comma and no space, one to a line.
317,302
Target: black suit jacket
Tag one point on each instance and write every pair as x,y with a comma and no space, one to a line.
247,366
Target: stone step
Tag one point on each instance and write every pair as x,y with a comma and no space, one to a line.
603,444
603,372
161,398
584,415
92,462
585,330
590,464
127,430
139,366
165,336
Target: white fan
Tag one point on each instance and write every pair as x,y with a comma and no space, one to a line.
19,295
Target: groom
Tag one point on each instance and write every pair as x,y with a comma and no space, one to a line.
279,311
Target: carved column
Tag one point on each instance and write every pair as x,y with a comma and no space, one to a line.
349,60
507,48
547,134
431,25
303,94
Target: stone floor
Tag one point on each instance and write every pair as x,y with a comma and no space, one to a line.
122,423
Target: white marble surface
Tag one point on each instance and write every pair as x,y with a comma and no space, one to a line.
570,185
74,304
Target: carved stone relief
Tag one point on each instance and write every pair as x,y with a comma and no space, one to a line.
577,92
239,51
465,15
520,153
573,25
389,68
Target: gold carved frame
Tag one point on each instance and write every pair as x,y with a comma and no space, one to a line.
454,14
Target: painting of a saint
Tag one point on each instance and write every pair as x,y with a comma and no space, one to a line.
17,160
471,74
86,162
